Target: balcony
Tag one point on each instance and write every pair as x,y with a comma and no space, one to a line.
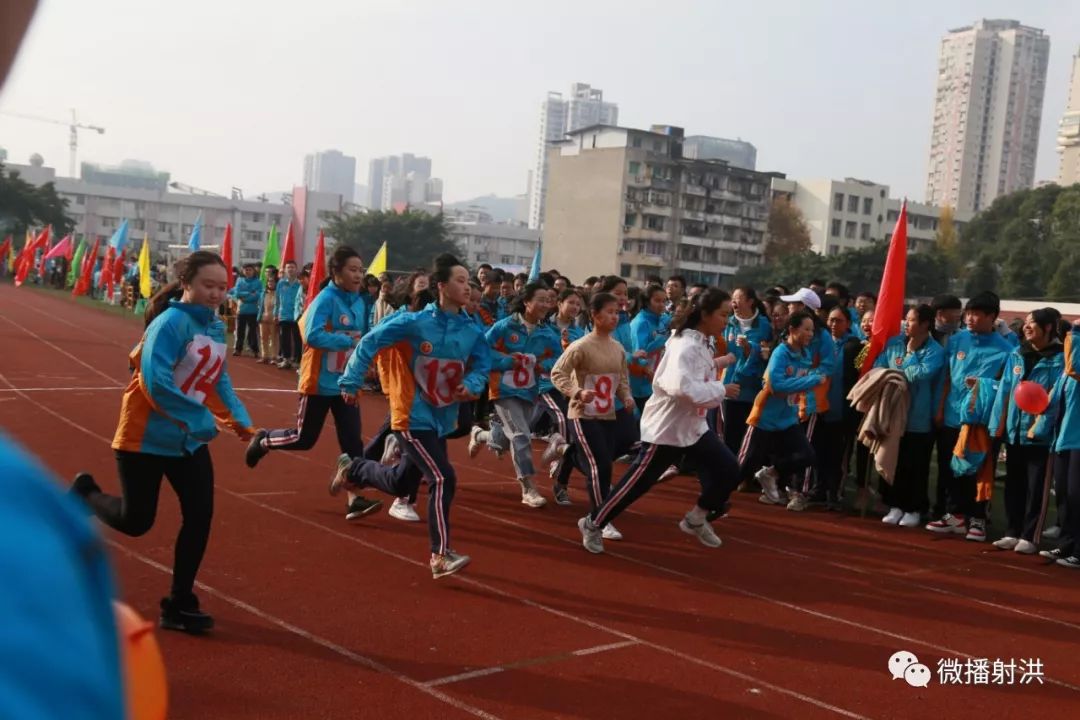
693,215
694,190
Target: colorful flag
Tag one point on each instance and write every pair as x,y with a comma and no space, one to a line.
76,263
26,260
534,271
195,241
60,249
378,263
4,247
87,274
288,250
119,238
42,243
272,253
226,253
145,286
105,279
889,312
318,270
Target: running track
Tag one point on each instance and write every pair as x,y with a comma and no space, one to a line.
795,616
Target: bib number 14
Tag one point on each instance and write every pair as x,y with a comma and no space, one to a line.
199,370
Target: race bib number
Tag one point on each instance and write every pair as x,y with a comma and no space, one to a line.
338,359
438,379
523,376
796,398
199,370
652,360
604,400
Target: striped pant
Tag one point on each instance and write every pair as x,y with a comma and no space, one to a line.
427,451
311,416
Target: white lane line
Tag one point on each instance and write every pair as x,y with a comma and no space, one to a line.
300,632
528,663
266,494
59,349
60,389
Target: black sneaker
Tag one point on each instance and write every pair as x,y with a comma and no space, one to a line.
255,450
83,485
1070,562
361,506
184,616
561,493
1055,554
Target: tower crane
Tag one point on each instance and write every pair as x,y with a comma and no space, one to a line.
73,125
191,190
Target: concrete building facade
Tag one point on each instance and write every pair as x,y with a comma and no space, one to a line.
737,153
331,171
1068,138
625,201
501,245
987,109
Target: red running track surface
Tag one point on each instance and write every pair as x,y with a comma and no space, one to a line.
795,616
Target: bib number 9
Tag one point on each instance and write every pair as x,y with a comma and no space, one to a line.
604,399
439,379
199,370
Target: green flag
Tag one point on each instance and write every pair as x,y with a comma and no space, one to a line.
76,263
272,253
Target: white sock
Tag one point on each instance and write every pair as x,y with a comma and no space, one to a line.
483,436
696,515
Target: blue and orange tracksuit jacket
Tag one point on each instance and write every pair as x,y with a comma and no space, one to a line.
625,336
789,377
648,332
491,311
1007,419
748,368
179,385
923,369
330,327
967,355
509,337
423,356
1065,399
573,332
285,300
247,292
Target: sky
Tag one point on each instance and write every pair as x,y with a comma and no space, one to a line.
235,93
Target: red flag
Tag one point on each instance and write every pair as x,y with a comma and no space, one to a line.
889,312
105,279
26,259
4,247
62,248
318,270
87,275
42,243
226,253
118,269
289,251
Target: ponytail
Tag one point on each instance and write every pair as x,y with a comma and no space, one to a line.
708,301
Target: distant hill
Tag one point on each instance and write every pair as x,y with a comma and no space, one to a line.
502,209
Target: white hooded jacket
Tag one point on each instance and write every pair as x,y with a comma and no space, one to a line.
684,388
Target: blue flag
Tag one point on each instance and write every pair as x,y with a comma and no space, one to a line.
119,239
534,271
196,235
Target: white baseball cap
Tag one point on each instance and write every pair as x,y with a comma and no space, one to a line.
806,296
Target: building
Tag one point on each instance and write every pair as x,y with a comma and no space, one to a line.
360,195
510,247
985,134
626,202
402,179
330,171
1068,139
738,153
167,218
850,214
584,107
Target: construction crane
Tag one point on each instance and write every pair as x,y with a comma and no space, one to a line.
190,190
74,126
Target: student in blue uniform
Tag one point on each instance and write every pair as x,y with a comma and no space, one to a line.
1066,401
566,324
178,389
290,344
649,333
746,331
247,292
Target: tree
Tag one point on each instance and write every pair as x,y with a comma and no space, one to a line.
24,206
1064,284
787,231
413,239
982,276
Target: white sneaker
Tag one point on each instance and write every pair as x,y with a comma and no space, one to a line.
341,474
766,500
893,517
402,510
1026,547
591,539
555,449
671,472
391,451
948,524
610,533
1052,533
553,469
474,440
704,532
529,496
1005,543
911,519
976,530
767,477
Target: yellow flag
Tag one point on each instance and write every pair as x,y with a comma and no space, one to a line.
144,268
378,263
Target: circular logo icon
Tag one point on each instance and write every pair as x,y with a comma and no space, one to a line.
790,370
425,347
344,320
899,362
961,355
513,337
1017,370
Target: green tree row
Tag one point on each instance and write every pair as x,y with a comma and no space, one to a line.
23,206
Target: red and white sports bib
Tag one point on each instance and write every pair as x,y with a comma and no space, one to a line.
523,376
438,379
198,371
603,385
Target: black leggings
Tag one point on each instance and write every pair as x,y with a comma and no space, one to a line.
310,418
247,326
787,450
911,481
1027,488
192,479
290,344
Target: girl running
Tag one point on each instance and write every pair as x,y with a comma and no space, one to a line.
592,374
435,359
330,328
673,426
554,402
167,416
746,331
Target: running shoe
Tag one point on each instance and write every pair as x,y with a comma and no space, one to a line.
361,506
768,478
703,531
391,451
1026,547
671,472
184,616
591,538
341,474
1005,543
402,509
948,524
610,533
893,517
474,440
561,493
1070,562
976,531
255,450
555,449
447,564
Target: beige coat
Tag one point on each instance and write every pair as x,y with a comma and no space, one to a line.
882,395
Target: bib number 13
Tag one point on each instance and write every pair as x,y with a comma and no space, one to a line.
199,370
439,379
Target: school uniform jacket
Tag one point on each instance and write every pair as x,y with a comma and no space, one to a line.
967,355
649,333
789,378
247,292
922,369
330,327
1007,419
510,337
1065,400
285,300
748,368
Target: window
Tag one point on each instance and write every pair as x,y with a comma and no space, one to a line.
835,228
636,143
251,254
108,222
867,205
834,249
658,145
729,257
849,230
635,168
275,218
624,270
481,257
629,220
853,203
253,236
506,259
524,260
838,202
80,199
654,247
864,231
162,227
138,224
628,245
654,222
186,229
253,217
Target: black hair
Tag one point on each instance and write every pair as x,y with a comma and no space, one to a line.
611,282
841,289
653,280
703,286
524,277
797,318
816,282
444,265
475,285
646,295
287,263
342,254
421,300
751,295
370,279
828,302
777,290
706,302
600,300
591,280
547,279
946,302
527,294
563,278
872,296
925,313
484,266
679,279
986,302
1047,318
843,311
567,292
186,270
306,272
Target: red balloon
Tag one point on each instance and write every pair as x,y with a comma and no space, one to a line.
1031,397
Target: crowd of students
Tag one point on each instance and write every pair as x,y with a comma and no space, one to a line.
746,390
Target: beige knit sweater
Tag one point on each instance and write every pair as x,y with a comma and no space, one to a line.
882,395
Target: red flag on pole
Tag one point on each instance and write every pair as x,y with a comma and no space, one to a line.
42,243
26,258
889,312
4,246
105,279
226,253
289,251
118,269
87,275
318,270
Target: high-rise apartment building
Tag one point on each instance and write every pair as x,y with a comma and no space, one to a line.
735,152
985,137
584,107
398,179
1068,139
331,171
